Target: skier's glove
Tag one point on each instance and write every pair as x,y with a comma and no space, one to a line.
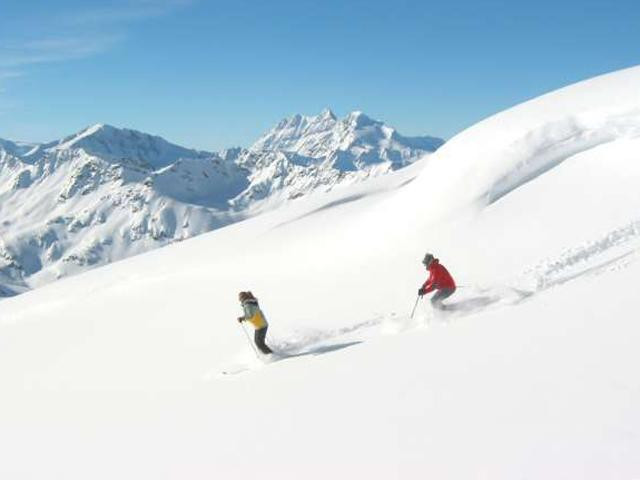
240,319
421,291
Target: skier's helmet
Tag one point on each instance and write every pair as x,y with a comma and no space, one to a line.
243,296
428,258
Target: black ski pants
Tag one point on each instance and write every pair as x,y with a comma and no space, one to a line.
259,338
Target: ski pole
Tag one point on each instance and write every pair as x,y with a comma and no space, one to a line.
253,347
414,307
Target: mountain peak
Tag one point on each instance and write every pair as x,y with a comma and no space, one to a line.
90,131
97,127
358,119
101,127
290,130
316,136
117,144
327,113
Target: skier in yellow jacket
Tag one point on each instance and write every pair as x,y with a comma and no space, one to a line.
254,315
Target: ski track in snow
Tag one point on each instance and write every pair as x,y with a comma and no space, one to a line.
313,342
614,250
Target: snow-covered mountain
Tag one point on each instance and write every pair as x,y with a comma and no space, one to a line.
303,153
367,140
8,147
106,193
532,373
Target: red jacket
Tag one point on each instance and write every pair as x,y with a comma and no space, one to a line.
439,278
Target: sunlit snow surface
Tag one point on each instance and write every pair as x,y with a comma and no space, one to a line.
117,373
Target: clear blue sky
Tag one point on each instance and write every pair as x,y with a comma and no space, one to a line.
213,74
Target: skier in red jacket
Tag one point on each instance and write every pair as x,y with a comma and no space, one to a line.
439,279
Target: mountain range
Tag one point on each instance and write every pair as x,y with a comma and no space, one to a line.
107,193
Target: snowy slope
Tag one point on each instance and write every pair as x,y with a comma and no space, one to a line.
115,373
106,193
